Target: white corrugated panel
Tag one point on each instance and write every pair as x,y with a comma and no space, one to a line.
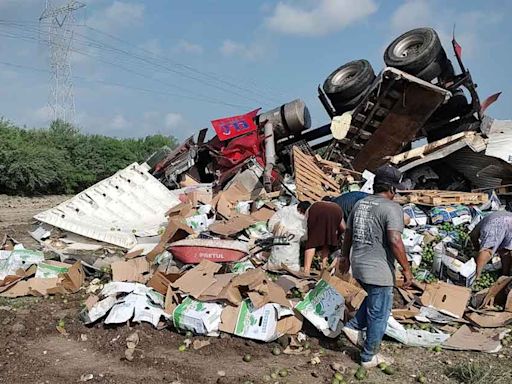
115,210
500,140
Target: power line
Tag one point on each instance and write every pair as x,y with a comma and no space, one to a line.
185,66
121,85
210,75
140,74
25,34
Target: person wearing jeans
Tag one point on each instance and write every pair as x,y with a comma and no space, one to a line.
372,315
374,235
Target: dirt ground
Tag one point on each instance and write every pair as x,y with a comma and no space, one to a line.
32,350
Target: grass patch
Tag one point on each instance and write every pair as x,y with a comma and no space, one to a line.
475,373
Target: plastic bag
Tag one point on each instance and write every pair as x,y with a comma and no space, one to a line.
287,221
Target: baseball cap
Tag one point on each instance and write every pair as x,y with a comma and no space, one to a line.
389,175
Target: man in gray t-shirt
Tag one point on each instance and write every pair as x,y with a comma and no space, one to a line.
372,259
374,234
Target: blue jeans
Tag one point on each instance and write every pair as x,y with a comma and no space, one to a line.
373,315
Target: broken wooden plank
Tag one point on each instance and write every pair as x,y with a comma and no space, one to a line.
425,149
435,198
311,181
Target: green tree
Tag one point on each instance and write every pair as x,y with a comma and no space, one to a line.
60,159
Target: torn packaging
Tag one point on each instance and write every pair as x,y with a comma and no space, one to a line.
160,281
122,301
353,294
176,230
220,290
235,225
490,319
266,323
11,280
198,279
182,210
481,340
12,261
226,200
66,282
134,270
260,289
264,213
324,306
414,338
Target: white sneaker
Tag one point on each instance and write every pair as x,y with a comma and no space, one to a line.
376,360
355,336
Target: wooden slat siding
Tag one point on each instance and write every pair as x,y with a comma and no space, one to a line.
311,182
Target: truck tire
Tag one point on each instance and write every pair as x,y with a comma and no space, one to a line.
347,105
414,50
431,71
349,80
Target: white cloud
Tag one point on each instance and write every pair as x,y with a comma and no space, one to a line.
188,47
118,15
412,14
119,122
422,13
173,120
320,17
252,51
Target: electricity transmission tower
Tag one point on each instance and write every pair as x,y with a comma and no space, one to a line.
60,21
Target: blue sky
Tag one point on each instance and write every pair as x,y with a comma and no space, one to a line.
164,66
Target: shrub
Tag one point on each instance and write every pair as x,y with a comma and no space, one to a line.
60,159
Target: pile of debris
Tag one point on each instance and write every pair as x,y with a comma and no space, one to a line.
193,237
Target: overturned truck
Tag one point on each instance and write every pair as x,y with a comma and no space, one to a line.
376,119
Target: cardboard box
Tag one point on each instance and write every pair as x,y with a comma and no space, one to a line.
259,288
200,196
458,272
66,282
471,339
12,261
266,323
353,294
218,291
122,301
176,230
136,270
324,307
160,281
447,298
198,279
264,213
235,224
491,319
198,317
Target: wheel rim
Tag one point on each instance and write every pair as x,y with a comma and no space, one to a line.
344,75
408,47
